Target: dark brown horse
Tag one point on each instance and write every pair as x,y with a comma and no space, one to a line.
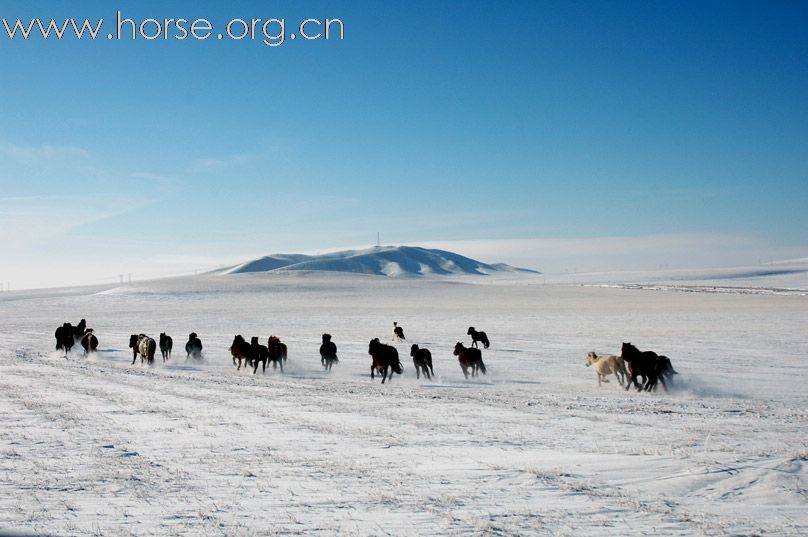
469,358
384,357
166,344
422,360
277,352
328,352
647,364
241,350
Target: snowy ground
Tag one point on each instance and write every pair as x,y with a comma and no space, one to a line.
98,446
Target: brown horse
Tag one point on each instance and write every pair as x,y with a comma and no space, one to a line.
469,358
241,350
384,357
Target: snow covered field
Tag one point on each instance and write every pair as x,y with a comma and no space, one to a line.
98,446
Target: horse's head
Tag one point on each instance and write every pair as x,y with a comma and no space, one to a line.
374,344
326,338
237,340
133,340
192,335
459,348
162,336
591,358
254,341
414,349
470,331
628,351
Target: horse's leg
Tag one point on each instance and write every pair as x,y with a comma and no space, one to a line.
371,373
280,363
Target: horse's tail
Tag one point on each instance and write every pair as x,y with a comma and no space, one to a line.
482,367
397,367
486,343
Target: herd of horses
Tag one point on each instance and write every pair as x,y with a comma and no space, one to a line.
68,335
628,368
633,363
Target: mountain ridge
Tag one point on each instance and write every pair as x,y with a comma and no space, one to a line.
390,261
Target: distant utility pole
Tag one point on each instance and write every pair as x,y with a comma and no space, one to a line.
378,239
129,277
120,277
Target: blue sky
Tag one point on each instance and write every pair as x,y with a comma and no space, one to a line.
683,125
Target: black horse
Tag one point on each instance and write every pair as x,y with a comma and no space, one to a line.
89,342
79,330
277,352
478,336
647,364
384,357
241,350
422,359
64,338
166,344
193,349
665,368
328,352
469,358
260,353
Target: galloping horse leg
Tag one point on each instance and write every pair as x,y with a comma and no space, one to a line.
385,374
371,372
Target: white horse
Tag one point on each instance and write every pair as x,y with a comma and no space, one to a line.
607,365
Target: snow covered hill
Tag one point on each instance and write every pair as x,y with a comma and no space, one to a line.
393,261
